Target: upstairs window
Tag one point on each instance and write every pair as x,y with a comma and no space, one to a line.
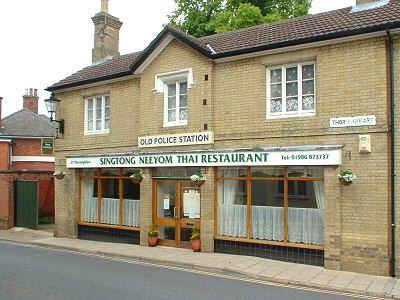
175,86
291,91
97,115
176,104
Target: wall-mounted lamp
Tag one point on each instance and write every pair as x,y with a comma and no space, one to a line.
51,106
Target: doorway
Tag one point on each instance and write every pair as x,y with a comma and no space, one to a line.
26,204
176,210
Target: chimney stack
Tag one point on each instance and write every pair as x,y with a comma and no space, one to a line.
106,34
31,100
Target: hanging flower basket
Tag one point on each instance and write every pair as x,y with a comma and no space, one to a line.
59,175
198,182
198,179
136,177
344,182
136,180
347,177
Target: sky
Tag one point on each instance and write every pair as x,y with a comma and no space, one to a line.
44,41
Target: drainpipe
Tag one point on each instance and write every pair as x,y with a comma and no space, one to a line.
390,47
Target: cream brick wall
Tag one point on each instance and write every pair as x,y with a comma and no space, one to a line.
397,148
350,81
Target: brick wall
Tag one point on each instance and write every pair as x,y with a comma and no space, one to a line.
350,81
7,179
4,155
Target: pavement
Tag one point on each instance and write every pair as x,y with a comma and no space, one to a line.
244,266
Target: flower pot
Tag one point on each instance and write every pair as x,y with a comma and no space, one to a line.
345,182
59,177
196,245
136,180
198,182
153,241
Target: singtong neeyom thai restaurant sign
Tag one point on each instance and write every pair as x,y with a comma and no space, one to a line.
225,158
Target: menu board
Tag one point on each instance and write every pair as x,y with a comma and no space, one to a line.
191,204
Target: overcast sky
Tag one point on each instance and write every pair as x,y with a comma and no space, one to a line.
44,41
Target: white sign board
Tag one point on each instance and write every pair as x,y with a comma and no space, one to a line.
182,139
353,121
204,159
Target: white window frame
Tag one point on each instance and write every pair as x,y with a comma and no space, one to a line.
178,121
300,112
161,86
103,130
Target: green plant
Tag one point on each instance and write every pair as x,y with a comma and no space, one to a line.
153,232
347,175
136,175
198,176
195,233
58,173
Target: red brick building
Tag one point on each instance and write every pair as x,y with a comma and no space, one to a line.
26,158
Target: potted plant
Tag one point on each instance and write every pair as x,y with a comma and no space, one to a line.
199,178
59,174
195,238
136,177
347,177
153,236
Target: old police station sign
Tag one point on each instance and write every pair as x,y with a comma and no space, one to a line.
211,158
196,138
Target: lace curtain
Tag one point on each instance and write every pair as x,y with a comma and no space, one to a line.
89,203
305,225
109,208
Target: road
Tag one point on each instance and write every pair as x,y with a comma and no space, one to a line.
34,272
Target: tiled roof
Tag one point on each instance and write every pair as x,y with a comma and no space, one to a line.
27,124
310,28
117,65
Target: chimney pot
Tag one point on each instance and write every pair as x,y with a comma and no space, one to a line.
30,100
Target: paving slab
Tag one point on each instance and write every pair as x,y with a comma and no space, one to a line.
254,267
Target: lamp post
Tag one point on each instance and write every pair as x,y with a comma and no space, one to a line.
51,105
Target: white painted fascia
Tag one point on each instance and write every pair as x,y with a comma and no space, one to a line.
98,83
306,46
153,55
5,140
28,137
33,158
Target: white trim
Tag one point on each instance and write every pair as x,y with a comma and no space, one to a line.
98,83
284,113
178,121
170,77
33,158
103,101
5,140
305,46
27,137
167,39
317,157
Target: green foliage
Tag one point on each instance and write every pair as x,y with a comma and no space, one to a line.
136,175
153,232
202,17
195,233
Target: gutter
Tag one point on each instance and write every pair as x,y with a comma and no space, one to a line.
230,53
390,48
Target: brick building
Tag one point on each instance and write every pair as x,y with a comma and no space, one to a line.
270,114
26,159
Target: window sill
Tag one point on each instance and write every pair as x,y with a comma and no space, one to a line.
174,124
97,133
305,115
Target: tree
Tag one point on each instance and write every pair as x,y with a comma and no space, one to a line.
202,17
